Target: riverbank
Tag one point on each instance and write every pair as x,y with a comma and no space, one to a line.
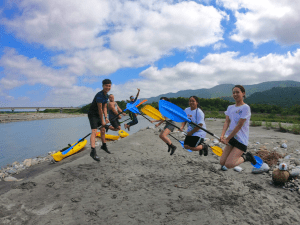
17,117
140,183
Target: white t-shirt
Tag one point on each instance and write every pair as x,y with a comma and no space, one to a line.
197,117
236,113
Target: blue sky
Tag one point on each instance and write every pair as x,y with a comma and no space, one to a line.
56,53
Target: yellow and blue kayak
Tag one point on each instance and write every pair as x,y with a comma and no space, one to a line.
60,155
108,136
123,133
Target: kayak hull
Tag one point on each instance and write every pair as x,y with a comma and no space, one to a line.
123,133
58,156
108,136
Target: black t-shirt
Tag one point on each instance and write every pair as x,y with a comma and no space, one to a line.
100,97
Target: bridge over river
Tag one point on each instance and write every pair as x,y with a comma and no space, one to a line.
38,108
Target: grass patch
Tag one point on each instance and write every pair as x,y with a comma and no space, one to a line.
255,123
214,114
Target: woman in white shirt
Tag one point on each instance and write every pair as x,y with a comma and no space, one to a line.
236,127
195,136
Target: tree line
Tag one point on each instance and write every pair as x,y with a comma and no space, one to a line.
212,104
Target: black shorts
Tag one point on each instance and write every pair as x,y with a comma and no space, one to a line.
233,142
169,125
95,121
193,141
115,123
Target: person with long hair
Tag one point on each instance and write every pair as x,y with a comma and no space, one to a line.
236,127
195,136
166,131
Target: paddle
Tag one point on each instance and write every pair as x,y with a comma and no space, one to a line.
66,151
181,142
130,107
175,113
155,114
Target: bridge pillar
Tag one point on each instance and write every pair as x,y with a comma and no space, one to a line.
13,110
37,109
61,109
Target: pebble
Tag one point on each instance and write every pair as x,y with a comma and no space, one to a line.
215,141
287,157
257,143
284,145
264,168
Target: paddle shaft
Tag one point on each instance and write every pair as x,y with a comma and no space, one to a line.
189,121
77,142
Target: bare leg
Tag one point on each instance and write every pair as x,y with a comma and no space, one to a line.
102,130
93,138
234,158
164,136
198,148
225,154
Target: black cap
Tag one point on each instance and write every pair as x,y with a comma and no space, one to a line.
106,81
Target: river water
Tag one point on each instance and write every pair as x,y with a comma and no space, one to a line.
29,139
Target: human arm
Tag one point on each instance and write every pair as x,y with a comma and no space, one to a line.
195,129
120,110
225,127
137,95
182,126
100,110
105,112
235,130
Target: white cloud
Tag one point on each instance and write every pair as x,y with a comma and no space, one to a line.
214,69
100,37
20,70
265,20
219,46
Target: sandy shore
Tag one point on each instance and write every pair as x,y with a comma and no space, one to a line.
17,117
140,183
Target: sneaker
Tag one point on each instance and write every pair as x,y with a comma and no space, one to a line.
106,127
205,149
249,157
93,154
105,149
173,148
224,168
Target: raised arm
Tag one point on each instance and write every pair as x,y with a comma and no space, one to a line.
137,95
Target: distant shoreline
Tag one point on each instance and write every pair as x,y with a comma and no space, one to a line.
28,116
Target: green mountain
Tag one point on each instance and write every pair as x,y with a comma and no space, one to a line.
281,96
224,91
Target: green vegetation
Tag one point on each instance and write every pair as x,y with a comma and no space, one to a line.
255,123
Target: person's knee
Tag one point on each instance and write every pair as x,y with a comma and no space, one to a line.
186,146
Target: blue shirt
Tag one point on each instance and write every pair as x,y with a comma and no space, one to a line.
100,97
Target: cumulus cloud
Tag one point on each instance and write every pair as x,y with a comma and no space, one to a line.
20,70
265,20
99,37
214,69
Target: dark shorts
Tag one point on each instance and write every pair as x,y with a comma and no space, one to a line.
95,121
233,142
115,123
193,141
170,126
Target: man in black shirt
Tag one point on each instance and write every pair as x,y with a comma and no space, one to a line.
132,115
97,109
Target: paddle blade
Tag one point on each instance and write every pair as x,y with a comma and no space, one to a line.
130,105
134,110
172,111
217,150
152,112
259,162
141,102
182,144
